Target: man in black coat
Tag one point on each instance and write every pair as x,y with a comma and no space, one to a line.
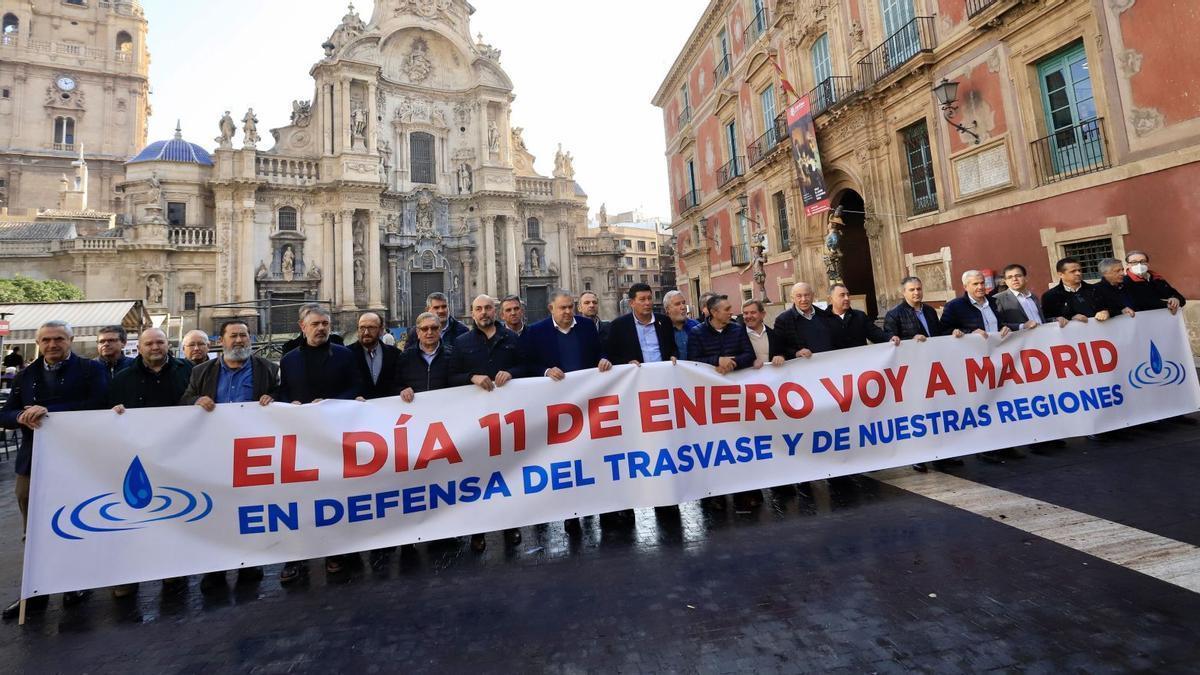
110,343
857,329
439,306
155,380
1073,299
425,367
58,381
1147,290
488,356
806,329
767,343
377,363
912,319
641,336
589,306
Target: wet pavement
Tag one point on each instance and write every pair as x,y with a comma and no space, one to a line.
849,575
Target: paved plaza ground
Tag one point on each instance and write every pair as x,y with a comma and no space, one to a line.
848,575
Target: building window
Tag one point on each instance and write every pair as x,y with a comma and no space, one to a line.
533,228
189,301
657,279
781,216
64,131
627,243
920,168
766,99
421,162
821,63
641,245
176,213
12,26
1074,144
642,263
629,278
287,218
645,278
587,285
5,93
653,246
628,261
124,43
1089,254
747,294
81,3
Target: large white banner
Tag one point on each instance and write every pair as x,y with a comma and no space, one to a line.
167,492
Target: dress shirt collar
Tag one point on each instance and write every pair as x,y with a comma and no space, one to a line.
566,330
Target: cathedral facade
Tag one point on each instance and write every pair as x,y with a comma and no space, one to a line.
402,174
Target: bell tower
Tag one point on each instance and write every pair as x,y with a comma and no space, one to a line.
74,74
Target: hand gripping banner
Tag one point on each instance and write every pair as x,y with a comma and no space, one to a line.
167,492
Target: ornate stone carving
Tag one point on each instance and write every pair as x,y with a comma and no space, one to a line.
358,126
227,128
1145,121
154,289
485,50
424,213
405,110
417,66
1129,62
262,272
462,113
288,263
517,141
564,164
438,118
301,113
464,179
493,137
72,100
429,9
250,129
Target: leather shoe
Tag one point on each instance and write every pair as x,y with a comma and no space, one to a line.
478,543
72,598
512,536
378,559
249,575
921,468
293,572
572,526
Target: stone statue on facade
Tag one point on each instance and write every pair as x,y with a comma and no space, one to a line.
288,264
602,216
155,192
261,272
424,213
438,118
301,113
535,261
758,248
404,110
517,140
360,275
485,50
250,129
493,137
314,272
154,290
358,125
417,65
464,179
227,130
564,164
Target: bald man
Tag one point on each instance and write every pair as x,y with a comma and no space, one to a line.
804,328
195,347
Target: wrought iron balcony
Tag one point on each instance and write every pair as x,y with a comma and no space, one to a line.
758,26
976,7
1070,152
739,254
685,116
730,171
689,201
762,147
915,37
722,70
830,92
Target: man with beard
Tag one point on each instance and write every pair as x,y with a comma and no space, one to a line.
195,347
236,377
313,372
376,361
488,356
155,380
58,381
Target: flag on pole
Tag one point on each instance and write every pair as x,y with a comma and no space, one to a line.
787,86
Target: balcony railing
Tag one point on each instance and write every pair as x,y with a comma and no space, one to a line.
915,37
976,7
287,170
688,201
758,26
723,67
739,254
594,245
830,92
536,187
190,236
730,171
685,116
69,147
761,148
1070,152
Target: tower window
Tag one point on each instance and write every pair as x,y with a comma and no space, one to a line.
124,43
421,162
287,218
176,213
64,131
189,301
12,25
533,228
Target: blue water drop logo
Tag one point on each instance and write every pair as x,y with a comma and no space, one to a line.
138,492
1156,360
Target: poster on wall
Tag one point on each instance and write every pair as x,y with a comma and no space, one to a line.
808,158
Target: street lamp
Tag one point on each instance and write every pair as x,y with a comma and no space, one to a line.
947,95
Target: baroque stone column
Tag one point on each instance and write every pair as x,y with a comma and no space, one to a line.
487,254
329,277
374,295
512,257
393,292
345,272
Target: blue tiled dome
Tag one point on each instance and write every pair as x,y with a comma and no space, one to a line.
174,150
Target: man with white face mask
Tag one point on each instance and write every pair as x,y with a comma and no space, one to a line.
1147,290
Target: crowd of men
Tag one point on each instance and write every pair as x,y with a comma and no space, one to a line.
439,352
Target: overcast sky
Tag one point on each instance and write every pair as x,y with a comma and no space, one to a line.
584,74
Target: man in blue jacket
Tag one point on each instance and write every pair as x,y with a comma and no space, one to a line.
974,311
58,381
719,341
315,371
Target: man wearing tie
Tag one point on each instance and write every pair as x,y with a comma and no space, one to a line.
1017,307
